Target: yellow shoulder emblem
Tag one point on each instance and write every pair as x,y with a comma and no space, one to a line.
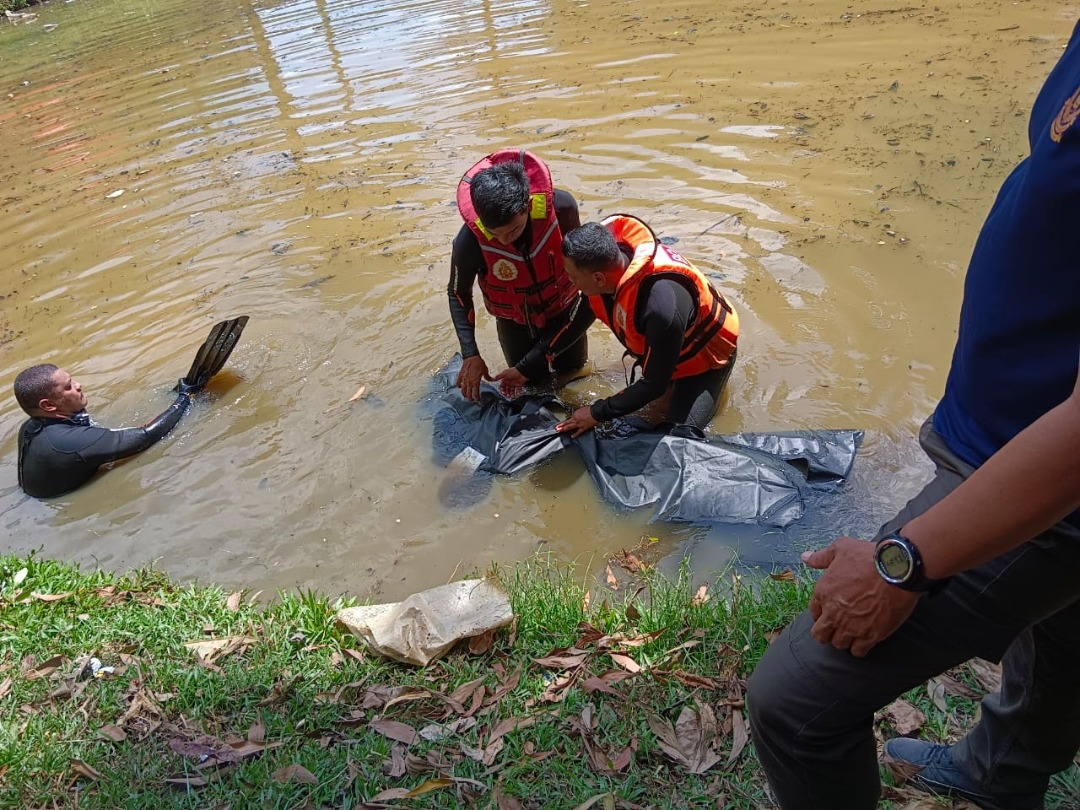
1065,118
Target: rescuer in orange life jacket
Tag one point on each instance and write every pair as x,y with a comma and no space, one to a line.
511,243
679,329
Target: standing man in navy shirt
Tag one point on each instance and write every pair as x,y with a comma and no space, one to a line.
985,561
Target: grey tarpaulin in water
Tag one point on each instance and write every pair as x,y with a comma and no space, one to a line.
745,478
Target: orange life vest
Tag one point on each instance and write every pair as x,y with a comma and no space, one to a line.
527,289
710,338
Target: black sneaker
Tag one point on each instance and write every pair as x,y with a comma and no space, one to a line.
933,770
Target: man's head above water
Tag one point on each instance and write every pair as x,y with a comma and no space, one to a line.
500,195
48,391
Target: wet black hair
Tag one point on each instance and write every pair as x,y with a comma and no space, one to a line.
35,384
499,193
592,247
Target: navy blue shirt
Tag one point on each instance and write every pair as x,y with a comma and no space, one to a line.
1017,351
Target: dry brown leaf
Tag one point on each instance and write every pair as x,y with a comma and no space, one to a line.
214,648
359,393
395,766
84,770
585,602
740,733
904,717
988,674
935,688
5,687
257,733
557,689
394,730
188,781
701,596
492,752
607,798
46,669
294,773
591,685
114,733
233,602
957,688
51,597
504,801
692,740
390,795
508,725
626,662
428,786
566,660
435,732
478,645
612,582
787,575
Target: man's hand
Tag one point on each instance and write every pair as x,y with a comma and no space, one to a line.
473,370
581,421
852,606
511,381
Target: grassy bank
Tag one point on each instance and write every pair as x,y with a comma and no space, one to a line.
134,692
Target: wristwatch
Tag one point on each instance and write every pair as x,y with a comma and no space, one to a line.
899,563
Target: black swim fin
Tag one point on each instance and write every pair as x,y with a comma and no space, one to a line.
215,350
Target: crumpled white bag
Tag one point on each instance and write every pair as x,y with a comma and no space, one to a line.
427,624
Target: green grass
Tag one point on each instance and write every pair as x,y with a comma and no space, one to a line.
299,689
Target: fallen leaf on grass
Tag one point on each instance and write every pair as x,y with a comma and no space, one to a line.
212,649
563,659
607,798
114,733
394,730
478,645
428,786
936,690
692,740
504,801
46,669
233,602
395,766
611,581
557,689
188,782
5,687
390,794
740,732
82,769
440,731
508,725
904,717
50,597
988,674
294,773
702,596
957,688
787,575
626,662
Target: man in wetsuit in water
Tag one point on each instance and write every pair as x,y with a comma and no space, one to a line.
60,446
672,321
510,245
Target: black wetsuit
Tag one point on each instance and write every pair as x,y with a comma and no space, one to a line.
668,312
59,455
518,342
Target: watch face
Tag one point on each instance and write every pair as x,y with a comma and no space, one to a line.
895,562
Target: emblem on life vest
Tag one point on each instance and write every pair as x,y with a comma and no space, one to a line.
620,316
504,270
1065,118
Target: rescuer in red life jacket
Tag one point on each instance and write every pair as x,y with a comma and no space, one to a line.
511,243
667,314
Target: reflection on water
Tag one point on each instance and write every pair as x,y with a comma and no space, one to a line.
169,164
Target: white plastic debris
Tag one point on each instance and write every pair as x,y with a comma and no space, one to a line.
427,624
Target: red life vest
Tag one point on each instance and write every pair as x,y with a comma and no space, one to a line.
710,338
527,289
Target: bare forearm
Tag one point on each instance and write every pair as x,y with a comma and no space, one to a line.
1023,489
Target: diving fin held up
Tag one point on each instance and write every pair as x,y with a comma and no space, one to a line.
215,350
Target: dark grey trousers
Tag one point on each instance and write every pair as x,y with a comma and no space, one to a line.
812,706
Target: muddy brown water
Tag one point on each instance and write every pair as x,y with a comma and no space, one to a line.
296,161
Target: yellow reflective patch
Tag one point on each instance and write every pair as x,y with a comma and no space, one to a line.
483,230
539,207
